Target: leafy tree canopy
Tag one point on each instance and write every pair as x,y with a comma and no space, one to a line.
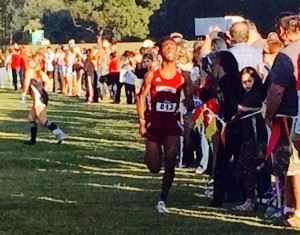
118,18
121,19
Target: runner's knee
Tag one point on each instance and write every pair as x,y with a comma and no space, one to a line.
154,165
31,116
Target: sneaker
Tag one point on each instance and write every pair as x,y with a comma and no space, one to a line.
59,135
29,142
209,192
210,182
161,207
273,213
199,170
293,221
23,99
244,207
283,219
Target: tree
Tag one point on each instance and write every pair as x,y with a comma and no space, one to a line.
85,19
119,18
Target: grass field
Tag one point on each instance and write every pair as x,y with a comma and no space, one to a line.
96,181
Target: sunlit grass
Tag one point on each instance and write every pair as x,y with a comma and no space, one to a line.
96,182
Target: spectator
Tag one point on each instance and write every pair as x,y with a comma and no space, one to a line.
8,57
255,39
114,74
89,68
244,54
141,70
15,66
282,99
253,137
227,89
49,66
2,69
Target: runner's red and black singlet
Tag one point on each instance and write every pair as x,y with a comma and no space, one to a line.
163,101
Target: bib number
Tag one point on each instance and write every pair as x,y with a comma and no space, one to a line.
166,107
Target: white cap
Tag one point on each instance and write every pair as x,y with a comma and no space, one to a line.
176,35
105,43
148,43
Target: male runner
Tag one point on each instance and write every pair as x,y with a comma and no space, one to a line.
157,106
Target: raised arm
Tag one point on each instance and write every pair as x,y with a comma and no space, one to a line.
46,80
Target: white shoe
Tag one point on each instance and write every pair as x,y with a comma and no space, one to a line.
59,135
199,170
161,207
244,207
23,99
209,192
210,182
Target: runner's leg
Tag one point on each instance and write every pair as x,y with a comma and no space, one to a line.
153,156
171,149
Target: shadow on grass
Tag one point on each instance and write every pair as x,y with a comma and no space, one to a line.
96,182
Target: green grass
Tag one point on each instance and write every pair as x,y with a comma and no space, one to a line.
96,181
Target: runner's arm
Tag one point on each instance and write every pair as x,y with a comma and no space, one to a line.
46,80
141,97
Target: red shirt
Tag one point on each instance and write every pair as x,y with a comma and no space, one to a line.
113,66
15,61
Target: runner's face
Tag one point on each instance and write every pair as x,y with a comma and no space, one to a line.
247,81
169,50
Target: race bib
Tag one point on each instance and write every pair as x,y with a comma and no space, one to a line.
166,107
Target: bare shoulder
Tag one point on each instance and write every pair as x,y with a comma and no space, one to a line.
149,75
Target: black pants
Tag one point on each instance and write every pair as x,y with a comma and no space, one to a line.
130,93
15,78
224,172
118,94
96,94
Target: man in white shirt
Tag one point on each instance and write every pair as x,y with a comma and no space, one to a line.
245,54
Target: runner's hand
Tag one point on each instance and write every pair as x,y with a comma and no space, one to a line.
142,128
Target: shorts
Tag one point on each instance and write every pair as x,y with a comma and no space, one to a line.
282,152
157,135
281,158
69,70
104,78
294,165
61,68
113,78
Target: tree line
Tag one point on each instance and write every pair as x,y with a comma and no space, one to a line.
84,20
